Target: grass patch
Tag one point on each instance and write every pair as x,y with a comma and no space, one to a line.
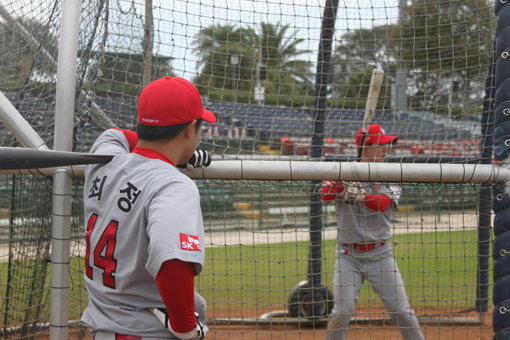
439,270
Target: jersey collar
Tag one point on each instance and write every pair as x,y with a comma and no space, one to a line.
151,153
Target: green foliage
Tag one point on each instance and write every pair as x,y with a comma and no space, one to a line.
456,111
354,91
444,46
278,56
19,61
281,73
244,97
215,46
112,89
443,36
118,72
444,43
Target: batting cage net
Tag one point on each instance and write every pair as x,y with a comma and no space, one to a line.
288,81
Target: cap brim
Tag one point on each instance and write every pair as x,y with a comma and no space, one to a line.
208,116
386,139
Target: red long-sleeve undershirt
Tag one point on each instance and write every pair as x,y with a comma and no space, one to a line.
331,190
377,202
177,289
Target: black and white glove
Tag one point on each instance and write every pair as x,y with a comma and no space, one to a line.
353,192
202,328
199,333
200,159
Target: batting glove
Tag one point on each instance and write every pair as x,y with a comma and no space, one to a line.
353,192
330,190
198,160
202,328
199,333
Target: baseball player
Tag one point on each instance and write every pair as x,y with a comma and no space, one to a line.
363,248
144,224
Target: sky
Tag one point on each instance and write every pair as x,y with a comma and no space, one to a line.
181,21
178,21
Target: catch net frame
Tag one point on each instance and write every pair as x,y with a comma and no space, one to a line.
289,89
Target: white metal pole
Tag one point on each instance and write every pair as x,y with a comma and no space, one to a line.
353,171
343,171
18,126
61,205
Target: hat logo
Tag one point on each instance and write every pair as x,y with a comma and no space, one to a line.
148,120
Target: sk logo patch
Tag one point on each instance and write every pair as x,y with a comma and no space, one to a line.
190,242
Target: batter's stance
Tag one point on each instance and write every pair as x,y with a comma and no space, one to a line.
144,224
363,250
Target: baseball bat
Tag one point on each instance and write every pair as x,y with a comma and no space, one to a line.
28,158
373,96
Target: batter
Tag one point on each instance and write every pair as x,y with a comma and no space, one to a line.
363,249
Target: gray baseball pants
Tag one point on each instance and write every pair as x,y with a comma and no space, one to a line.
379,268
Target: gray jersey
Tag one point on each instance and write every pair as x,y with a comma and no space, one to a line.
139,213
359,224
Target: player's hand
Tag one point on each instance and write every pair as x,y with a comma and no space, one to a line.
200,159
353,192
331,190
201,327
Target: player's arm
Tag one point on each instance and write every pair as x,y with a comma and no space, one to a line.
174,268
330,190
131,138
377,202
115,142
383,200
176,286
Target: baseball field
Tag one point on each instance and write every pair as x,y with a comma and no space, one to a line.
292,83
247,277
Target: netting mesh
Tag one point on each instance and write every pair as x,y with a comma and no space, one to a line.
256,66
24,254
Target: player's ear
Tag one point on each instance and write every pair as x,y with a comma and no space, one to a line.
189,130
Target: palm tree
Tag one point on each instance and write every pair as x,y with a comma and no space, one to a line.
279,54
282,73
217,46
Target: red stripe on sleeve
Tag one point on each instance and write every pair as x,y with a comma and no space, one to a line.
177,289
131,137
378,202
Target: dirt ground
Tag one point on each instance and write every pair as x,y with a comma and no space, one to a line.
359,330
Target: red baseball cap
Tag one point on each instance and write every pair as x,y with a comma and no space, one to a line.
171,101
375,135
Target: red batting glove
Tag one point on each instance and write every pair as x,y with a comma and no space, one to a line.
330,190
